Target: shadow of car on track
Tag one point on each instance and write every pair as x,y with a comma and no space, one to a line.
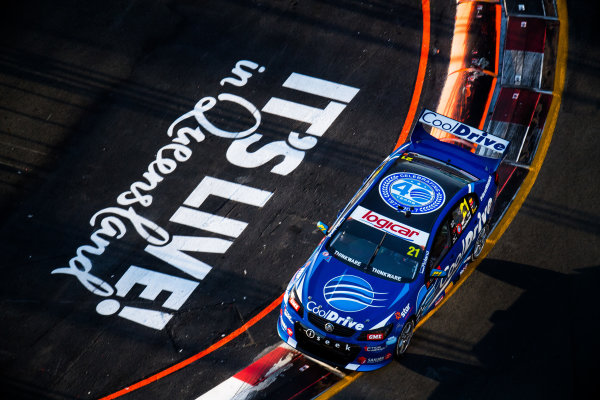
543,346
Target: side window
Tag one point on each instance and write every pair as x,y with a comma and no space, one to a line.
441,244
461,215
451,229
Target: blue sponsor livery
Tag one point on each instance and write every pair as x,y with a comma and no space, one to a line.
351,294
380,269
414,192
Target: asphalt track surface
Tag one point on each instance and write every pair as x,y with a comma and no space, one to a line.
87,93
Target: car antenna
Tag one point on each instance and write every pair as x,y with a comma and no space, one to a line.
407,211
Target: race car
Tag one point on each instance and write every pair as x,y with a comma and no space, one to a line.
395,249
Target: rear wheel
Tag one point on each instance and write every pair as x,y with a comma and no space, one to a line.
404,338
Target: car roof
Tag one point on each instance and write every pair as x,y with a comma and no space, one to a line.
411,165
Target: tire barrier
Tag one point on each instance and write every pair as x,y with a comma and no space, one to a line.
511,101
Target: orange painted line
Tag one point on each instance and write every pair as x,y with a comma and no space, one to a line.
198,356
496,64
479,1
414,103
403,136
471,69
449,97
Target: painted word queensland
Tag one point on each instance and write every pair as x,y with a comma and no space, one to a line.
466,132
111,220
191,128
333,316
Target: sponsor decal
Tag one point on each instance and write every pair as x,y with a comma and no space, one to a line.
463,131
294,304
315,337
326,256
290,332
472,203
468,238
386,274
424,263
398,315
333,316
414,192
375,336
349,259
287,314
351,293
458,229
390,226
482,218
376,360
485,189
405,311
374,348
184,136
438,301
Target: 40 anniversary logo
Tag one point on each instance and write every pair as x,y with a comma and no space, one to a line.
111,222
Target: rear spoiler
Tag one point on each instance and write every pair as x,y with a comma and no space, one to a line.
466,132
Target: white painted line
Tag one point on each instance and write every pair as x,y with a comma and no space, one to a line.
232,388
320,87
173,253
208,222
227,190
320,119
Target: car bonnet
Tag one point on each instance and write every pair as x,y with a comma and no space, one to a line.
347,296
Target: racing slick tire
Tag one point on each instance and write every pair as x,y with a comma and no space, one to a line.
404,338
480,242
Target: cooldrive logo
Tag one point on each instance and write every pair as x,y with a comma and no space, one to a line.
464,131
413,192
351,294
390,226
332,316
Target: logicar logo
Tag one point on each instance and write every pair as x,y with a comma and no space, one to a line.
351,294
390,226
406,190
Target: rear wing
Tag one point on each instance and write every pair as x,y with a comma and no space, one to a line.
463,131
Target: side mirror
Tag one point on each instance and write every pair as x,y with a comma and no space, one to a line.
322,227
438,273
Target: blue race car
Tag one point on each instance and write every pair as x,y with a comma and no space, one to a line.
396,248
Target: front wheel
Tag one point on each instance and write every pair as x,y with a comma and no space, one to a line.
404,338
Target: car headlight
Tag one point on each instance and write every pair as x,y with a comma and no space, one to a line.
294,302
376,334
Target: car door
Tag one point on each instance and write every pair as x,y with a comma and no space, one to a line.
439,249
445,250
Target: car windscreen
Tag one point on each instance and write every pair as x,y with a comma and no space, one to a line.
376,252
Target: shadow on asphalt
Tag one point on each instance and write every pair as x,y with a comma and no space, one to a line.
531,351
